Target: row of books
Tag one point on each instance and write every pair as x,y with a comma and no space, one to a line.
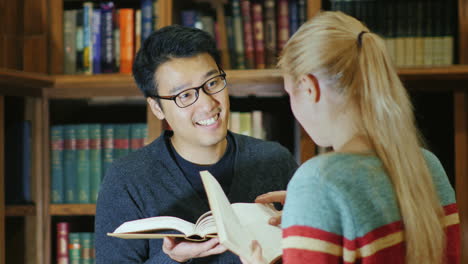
104,39
74,247
248,123
256,30
416,32
80,155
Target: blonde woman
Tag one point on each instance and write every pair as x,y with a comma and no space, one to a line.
379,197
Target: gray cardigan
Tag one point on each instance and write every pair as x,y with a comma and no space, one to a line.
149,183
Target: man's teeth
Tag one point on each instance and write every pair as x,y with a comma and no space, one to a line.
208,122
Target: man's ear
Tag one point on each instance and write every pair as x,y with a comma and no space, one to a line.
155,108
312,86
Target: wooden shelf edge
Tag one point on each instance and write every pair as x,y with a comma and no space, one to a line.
72,209
20,210
19,83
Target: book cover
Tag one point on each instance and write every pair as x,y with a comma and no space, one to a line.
62,242
57,195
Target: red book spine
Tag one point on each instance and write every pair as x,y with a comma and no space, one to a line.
283,24
257,18
126,39
62,242
248,34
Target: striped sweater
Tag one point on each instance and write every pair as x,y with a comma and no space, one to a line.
341,208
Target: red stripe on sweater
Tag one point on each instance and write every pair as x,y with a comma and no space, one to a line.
450,209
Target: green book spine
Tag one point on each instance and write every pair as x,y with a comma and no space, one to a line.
83,163
107,147
69,164
95,154
57,167
136,134
74,248
121,140
87,248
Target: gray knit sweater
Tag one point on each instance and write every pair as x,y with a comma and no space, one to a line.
149,183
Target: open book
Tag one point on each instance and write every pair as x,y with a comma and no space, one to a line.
236,224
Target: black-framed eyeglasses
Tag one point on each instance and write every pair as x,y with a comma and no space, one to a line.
189,96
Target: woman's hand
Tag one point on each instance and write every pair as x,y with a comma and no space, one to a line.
257,255
273,197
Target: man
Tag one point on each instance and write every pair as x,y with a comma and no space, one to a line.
178,71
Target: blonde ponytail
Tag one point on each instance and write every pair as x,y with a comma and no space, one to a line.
362,71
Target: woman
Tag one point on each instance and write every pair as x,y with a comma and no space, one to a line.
378,197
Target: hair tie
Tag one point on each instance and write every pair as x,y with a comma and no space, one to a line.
359,38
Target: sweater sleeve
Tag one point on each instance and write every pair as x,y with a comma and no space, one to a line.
116,204
312,230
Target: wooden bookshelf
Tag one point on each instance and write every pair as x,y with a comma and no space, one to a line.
20,210
72,209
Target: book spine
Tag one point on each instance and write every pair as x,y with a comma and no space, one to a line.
230,41
86,248
146,19
248,34
69,41
97,56
79,41
137,30
238,35
116,36
62,242
189,18
127,26
74,248
155,15
283,24
257,17
107,51
95,157
270,33
302,11
108,147
83,163
69,163
87,37
57,166
293,17
121,140
136,134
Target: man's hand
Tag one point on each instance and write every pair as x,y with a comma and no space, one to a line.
273,197
182,250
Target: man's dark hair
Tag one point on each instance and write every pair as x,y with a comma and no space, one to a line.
165,44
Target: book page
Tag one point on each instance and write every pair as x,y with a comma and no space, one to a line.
230,232
254,217
154,224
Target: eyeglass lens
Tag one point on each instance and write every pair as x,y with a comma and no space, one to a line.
190,96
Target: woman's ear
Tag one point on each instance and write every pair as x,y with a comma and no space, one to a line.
155,108
312,86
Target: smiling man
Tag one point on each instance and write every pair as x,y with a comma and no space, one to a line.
178,71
